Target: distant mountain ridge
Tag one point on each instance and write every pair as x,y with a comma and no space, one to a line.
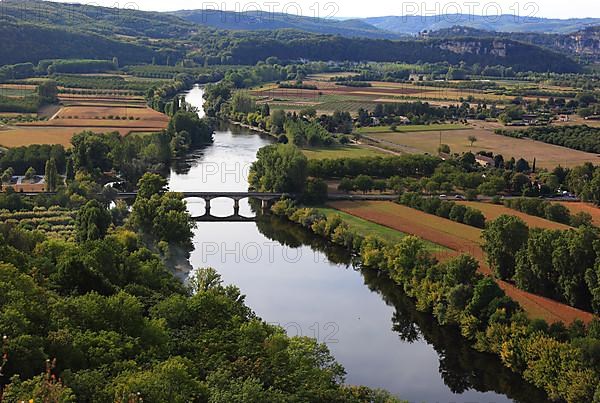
388,27
254,21
412,25
32,30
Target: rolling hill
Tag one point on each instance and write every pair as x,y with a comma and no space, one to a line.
255,21
33,30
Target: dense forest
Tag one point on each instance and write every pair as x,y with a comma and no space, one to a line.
32,43
104,320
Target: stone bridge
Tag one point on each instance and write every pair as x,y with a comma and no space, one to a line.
265,197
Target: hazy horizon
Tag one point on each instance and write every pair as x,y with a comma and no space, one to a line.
552,9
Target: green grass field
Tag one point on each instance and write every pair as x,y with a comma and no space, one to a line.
412,128
366,228
342,152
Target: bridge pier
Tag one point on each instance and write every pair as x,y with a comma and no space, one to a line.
207,208
236,207
266,204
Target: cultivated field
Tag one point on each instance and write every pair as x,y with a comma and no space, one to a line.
413,128
22,136
127,112
493,211
547,155
328,96
460,239
368,228
351,151
453,235
575,208
95,114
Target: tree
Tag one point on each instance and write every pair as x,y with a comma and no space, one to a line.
7,175
151,184
364,183
444,148
265,110
279,168
472,140
346,185
316,191
30,173
460,270
474,218
522,166
69,170
485,291
92,222
242,102
519,181
48,92
51,175
502,240
199,130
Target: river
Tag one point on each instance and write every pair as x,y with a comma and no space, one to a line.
312,289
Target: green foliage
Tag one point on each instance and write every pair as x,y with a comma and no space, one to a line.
81,66
93,221
376,167
198,130
541,208
316,191
163,216
552,358
584,138
151,184
36,156
445,209
279,168
51,175
503,238
48,92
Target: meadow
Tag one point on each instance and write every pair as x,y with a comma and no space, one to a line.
546,155
369,228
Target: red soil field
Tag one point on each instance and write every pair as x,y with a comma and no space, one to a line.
461,239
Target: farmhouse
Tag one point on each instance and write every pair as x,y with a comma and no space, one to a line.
417,77
484,161
530,119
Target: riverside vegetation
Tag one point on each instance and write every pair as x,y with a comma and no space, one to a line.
562,361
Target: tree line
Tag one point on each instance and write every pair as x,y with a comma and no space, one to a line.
561,361
562,265
582,137
445,209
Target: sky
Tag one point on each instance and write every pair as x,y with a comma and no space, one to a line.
372,8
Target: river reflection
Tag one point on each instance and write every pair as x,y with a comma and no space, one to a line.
312,288
461,368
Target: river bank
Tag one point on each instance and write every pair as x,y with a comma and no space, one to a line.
289,279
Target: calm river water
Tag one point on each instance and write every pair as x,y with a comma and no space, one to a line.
311,288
